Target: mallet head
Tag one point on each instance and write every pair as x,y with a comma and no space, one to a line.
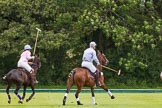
161,75
119,72
38,29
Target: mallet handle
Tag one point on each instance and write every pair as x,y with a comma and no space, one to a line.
109,68
38,30
112,69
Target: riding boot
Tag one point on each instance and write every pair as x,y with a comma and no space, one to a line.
35,80
32,75
97,78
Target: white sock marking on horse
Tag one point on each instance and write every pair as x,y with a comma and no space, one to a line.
77,99
65,94
109,92
93,100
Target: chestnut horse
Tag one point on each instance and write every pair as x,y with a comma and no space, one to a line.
82,77
20,77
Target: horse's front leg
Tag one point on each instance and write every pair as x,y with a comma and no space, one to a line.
108,91
33,92
93,96
24,92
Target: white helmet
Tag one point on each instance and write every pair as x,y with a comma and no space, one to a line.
27,47
92,44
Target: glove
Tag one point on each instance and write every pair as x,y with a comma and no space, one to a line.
32,57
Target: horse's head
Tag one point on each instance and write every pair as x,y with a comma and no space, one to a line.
103,61
102,58
36,61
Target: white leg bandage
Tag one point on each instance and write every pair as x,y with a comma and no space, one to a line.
65,94
77,99
93,100
110,94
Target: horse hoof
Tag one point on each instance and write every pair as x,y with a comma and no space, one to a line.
27,100
80,104
20,101
9,101
63,103
94,103
112,97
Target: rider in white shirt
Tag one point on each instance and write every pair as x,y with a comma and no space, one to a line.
87,61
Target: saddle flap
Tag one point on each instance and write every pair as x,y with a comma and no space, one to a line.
91,74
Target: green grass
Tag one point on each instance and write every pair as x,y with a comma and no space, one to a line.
54,100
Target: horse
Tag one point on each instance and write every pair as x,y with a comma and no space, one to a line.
82,77
20,77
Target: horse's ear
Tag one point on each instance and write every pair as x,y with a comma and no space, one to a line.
36,55
98,51
101,52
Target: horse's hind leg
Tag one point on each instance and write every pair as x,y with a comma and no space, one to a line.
77,96
69,85
7,91
18,86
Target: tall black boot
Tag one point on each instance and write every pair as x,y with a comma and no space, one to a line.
97,78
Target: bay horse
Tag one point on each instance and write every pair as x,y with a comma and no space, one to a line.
20,77
82,77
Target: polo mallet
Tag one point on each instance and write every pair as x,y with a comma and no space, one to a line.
38,30
118,72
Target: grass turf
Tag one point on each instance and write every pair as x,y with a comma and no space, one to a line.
54,100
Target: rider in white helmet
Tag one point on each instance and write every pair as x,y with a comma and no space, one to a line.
24,58
87,60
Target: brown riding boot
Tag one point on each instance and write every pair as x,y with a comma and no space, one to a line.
97,78
33,77
36,81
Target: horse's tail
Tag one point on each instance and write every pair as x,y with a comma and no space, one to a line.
6,75
71,73
70,80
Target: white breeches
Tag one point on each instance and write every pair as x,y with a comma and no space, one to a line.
24,65
89,65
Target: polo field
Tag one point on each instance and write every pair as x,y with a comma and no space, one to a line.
124,99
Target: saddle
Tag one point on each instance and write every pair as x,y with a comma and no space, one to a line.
22,69
92,74
28,74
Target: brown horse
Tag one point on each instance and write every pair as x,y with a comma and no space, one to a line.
20,77
82,77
